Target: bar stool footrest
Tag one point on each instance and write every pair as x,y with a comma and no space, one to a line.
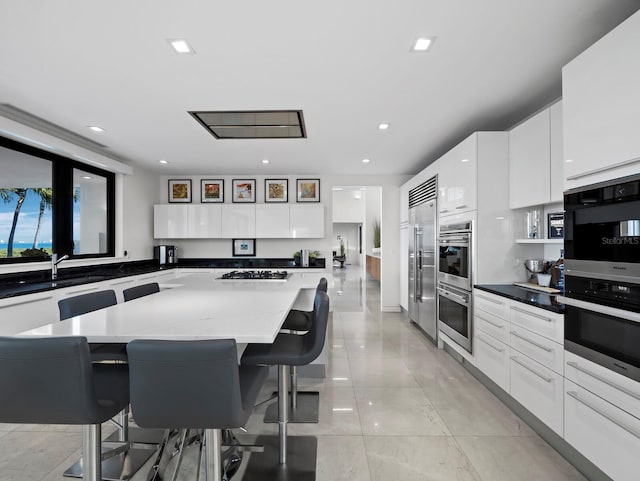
115,468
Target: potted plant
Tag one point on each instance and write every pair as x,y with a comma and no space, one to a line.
376,237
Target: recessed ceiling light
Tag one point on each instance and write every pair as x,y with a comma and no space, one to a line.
180,45
163,161
464,160
95,128
500,218
365,161
569,160
422,44
86,177
383,126
337,188
265,161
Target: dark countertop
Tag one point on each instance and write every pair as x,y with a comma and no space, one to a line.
31,282
527,296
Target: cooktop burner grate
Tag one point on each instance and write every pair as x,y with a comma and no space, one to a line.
256,275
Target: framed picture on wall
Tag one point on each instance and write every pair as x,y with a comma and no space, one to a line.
244,190
244,247
179,190
308,190
212,190
276,190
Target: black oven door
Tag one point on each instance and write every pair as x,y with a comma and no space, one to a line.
605,335
454,266
454,315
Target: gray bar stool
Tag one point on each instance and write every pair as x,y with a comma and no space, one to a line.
291,350
140,291
193,385
53,381
304,405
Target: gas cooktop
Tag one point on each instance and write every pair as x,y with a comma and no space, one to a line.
256,275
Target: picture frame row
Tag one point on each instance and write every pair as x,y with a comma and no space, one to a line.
244,190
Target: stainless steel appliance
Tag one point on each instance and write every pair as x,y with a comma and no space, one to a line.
422,245
256,275
455,314
454,257
602,323
602,230
165,254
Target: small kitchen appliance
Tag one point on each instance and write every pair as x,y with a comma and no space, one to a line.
165,254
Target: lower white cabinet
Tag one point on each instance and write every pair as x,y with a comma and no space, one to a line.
546,323
492,358
548,353
606,435
538,389
22,313
490,324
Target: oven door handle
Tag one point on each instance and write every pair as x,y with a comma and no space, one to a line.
462,240
461,299
578,367
599,411
609,311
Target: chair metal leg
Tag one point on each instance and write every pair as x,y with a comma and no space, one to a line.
155,468
293,370
283,412
183,436
91,452
123,425
199,458
213,454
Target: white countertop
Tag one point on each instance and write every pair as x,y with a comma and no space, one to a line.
195,306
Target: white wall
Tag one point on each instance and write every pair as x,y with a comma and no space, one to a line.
347,207
139,194
373,208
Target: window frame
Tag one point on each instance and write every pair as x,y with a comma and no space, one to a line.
62,207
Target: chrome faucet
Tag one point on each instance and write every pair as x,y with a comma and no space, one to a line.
54,264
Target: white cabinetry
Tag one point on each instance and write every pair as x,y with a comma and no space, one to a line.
204,221
306,221
602,107
272,221
238,221
491,339
535,159
22,313
457,177
492,358
169,221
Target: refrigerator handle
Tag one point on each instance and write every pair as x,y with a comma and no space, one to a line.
415,264
419,269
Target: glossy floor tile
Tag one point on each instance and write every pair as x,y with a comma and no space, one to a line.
392,407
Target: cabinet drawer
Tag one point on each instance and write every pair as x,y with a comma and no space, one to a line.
492,325
496,305
538,389
492,358
540,321
548,353
606,435
609,385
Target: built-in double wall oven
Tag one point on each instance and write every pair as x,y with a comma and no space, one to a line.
602,266
454,282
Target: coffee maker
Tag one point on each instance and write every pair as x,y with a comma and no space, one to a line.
165,254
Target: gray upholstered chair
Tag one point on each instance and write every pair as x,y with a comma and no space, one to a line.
291,350
53,381
140,291
93,301
193,385
305,411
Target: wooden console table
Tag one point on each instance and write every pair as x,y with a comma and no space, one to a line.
373,266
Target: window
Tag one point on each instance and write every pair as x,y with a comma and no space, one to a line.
49,203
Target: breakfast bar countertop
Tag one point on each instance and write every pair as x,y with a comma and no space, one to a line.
539,299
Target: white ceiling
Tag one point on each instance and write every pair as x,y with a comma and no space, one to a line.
346,64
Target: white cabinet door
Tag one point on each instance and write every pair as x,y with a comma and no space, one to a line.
601,107
457,177
204,221
538,389
548,353
496,305
604,434
238,221
546,323
169,221
492,325
556,152
272,221
22,313
306,221
492,358
529,162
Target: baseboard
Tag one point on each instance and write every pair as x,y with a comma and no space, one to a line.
391,309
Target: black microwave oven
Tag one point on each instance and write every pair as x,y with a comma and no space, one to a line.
602,230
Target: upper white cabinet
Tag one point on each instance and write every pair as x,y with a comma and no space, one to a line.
457,177
535,160
204,221
239,221
306,221
272,221
170,221
602,107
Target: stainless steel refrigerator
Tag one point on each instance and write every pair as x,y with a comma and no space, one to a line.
422,257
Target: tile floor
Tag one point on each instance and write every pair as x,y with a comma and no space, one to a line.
393,407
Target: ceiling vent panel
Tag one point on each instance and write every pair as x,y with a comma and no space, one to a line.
259,124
